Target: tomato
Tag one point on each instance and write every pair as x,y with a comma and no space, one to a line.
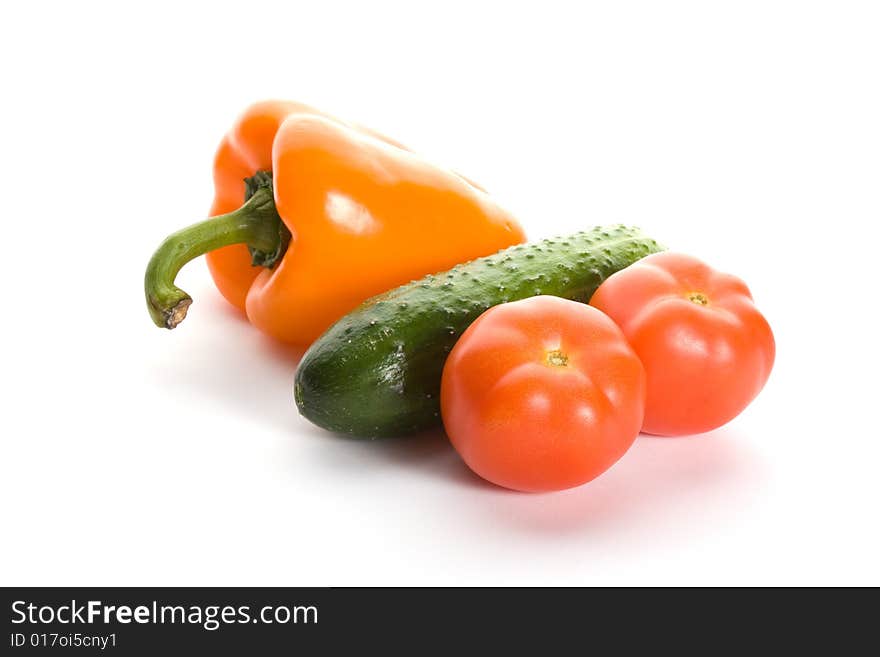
542,394
706,349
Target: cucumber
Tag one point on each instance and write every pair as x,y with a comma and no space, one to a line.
376,372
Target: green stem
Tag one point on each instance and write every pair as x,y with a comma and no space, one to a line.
256,224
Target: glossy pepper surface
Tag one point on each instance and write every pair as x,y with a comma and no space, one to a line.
333,214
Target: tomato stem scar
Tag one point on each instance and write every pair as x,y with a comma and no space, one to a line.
556,358
698,298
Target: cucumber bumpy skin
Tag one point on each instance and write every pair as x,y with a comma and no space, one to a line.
376,372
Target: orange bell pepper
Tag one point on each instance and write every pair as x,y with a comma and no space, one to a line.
333,214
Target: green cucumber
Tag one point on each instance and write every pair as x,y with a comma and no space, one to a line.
376,372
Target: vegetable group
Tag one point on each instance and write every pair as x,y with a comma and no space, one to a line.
333,214
314,218
376,372
542,394
706,348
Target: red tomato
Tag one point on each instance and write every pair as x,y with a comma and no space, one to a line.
705,347
542,394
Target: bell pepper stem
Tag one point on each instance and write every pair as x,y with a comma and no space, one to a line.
256,224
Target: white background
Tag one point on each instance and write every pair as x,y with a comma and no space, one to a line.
747,133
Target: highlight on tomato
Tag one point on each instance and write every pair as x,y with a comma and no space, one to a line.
542,394
706,348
